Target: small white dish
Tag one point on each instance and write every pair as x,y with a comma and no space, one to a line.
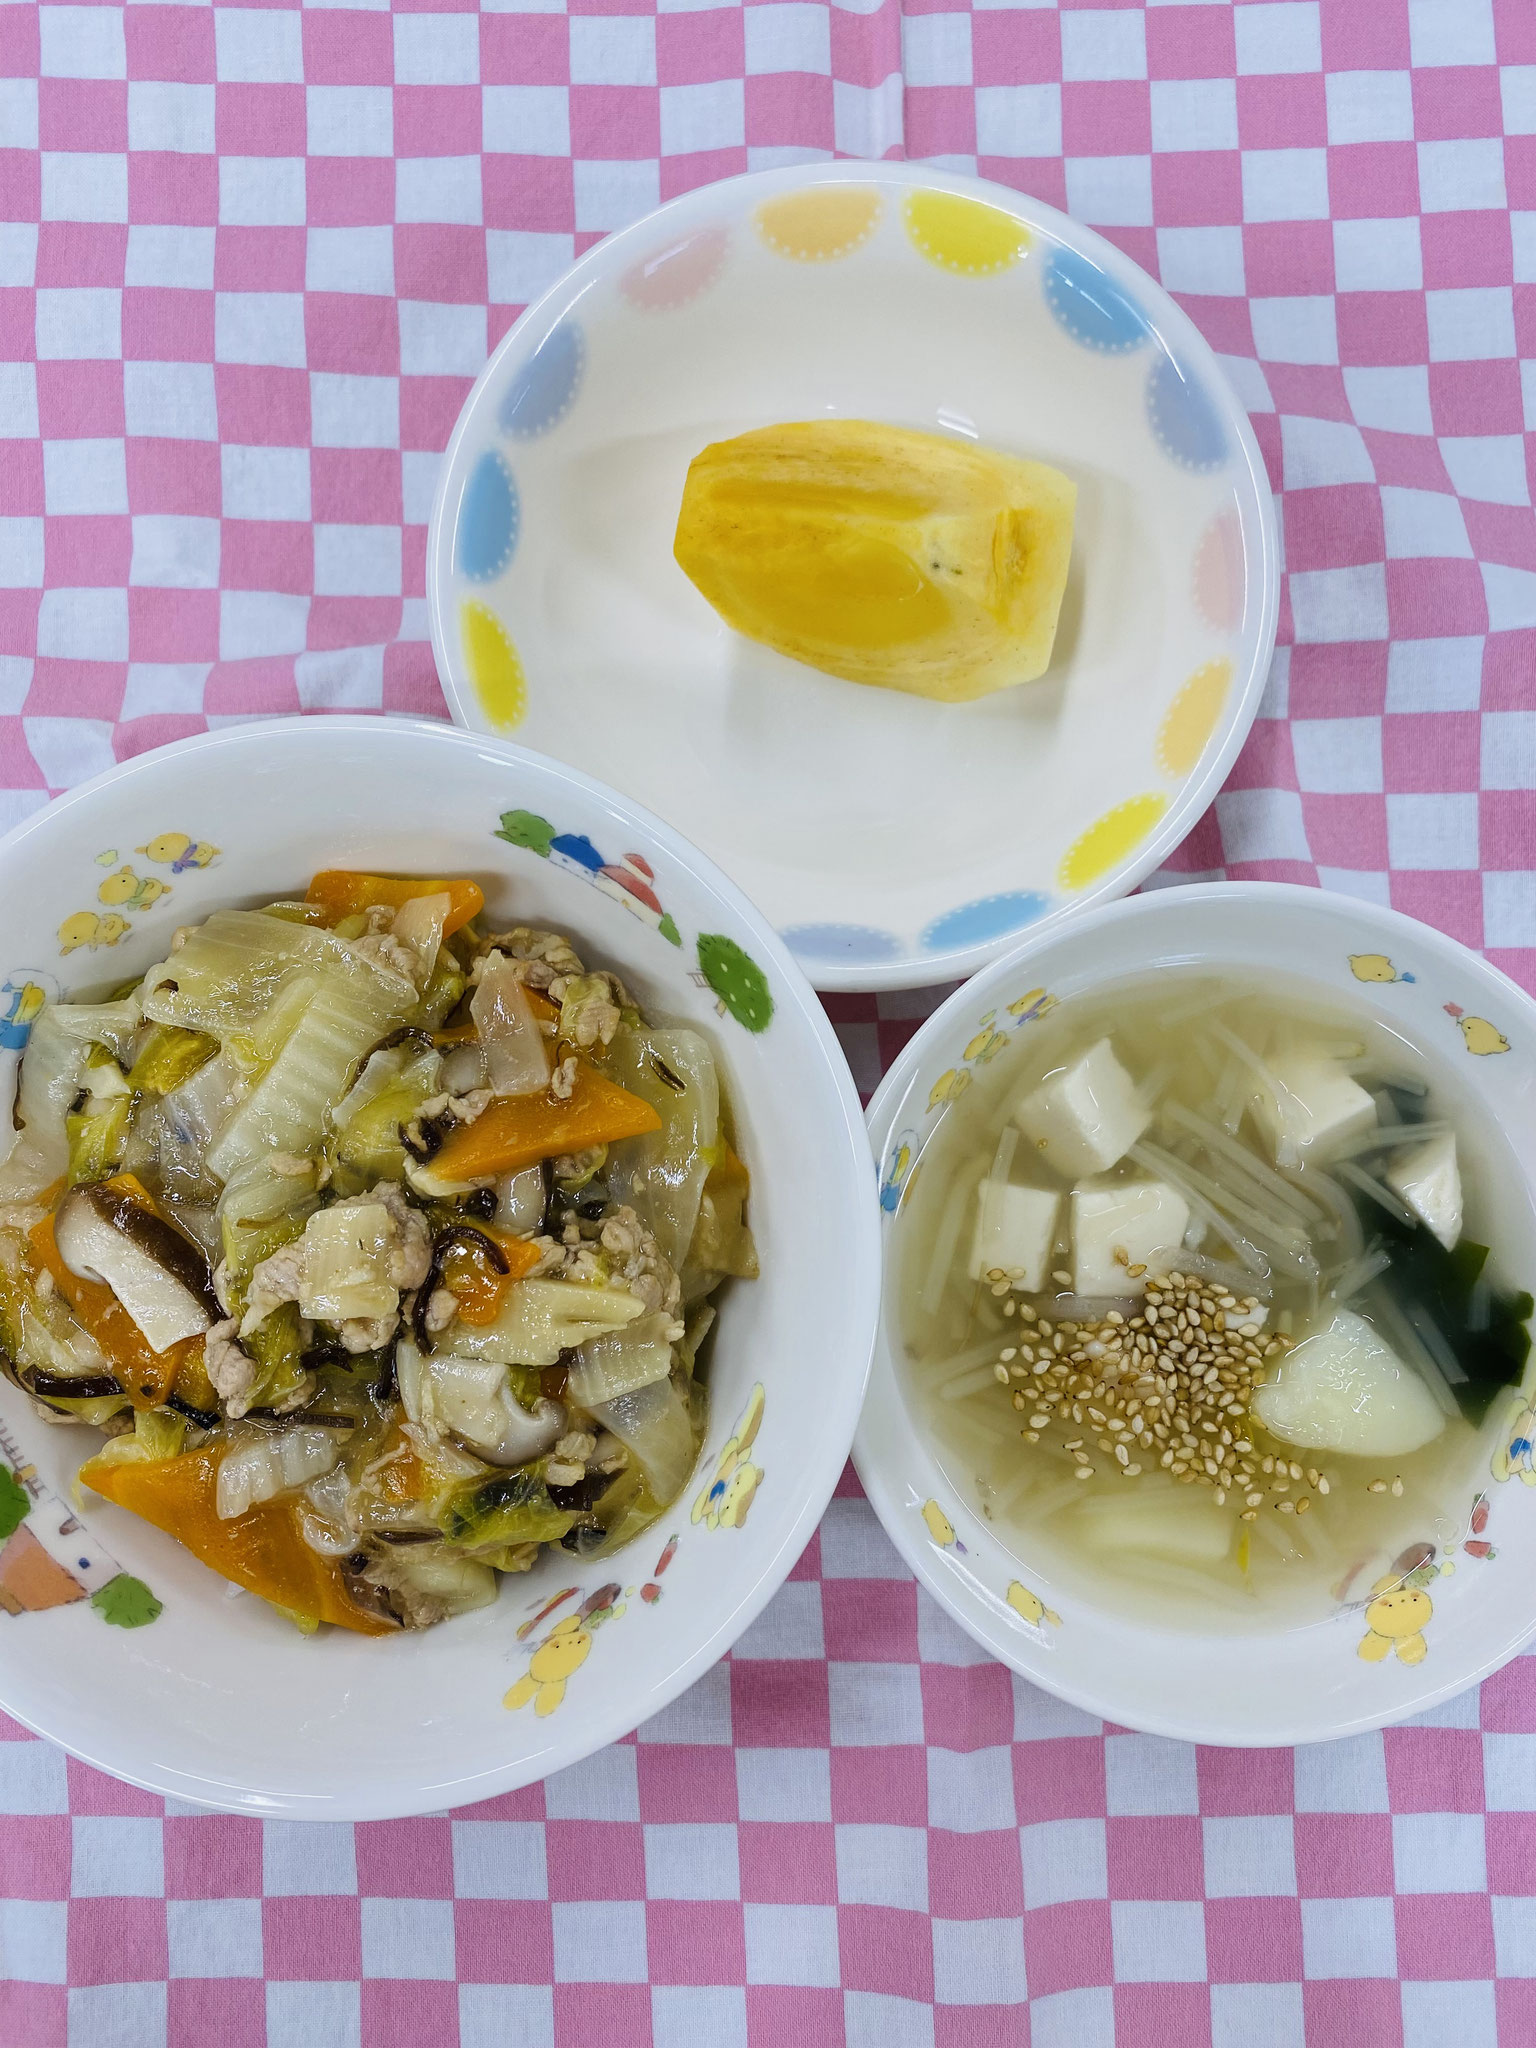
891,840
1281,1685
217,1699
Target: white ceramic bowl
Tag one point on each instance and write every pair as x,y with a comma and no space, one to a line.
891,840
1282,1686
220,1701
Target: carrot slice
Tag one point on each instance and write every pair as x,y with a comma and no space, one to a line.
520,1130
340,892
147,1376
478,1286
261,1550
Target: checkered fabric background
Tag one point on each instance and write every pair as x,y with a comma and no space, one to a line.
250,260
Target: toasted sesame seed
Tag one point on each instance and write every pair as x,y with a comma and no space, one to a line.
1377,1486
1397,1488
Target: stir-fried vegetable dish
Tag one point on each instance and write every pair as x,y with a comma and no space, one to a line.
380,1245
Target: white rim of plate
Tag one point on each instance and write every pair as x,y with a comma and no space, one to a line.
880,1488
618,1717
1199,788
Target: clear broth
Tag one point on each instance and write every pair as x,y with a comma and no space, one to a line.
1277,1568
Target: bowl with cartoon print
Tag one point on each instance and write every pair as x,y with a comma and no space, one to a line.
117,1642
892,840
1398,1635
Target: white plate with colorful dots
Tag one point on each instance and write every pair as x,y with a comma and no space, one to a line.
892,840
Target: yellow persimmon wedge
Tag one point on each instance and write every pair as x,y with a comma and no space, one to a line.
882,555
261,1550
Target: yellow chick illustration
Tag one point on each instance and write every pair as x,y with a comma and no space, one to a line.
940,1527
561,1654
1374,967
1482,1037
949,1086
178,852
724,1502
986,1045
1030,1605
1035,1004
85,928
118,888
1396,1619
125,890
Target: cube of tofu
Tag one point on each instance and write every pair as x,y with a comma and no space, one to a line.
1015,1232
1345,1389
1319,1107
1427,1178
1122,1226
1086,1118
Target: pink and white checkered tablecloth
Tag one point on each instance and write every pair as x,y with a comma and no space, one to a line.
250,259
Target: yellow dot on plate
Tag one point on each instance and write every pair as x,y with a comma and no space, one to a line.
494,667
964,235
819,223
1106,843
1191,718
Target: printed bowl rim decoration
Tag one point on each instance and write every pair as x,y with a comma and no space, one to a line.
733,1574
1174,340
896,1468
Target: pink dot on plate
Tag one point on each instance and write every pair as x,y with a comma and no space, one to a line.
676,274
1219,581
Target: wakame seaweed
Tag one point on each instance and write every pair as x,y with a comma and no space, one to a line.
1484,1328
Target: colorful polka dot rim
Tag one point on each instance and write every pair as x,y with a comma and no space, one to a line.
887,292
544,389
1091,306
1186,424
964,235
488,520
819,224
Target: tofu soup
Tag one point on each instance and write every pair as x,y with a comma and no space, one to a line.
1207,1291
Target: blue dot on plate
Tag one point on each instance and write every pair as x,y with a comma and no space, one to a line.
489,518
1091,306
1183,415
544,389
841,942
990,917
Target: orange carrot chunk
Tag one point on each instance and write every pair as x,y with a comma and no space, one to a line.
471,1277
520,1130
340,893
147,1375
261,1550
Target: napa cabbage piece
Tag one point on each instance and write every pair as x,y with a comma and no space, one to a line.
662,1175
655,1427
276,1462
52,1075
542,1318
287,1109
346,1263
259,1212
429,1582
167,1056
622,1362
515,1507
516,1054
155,1434
385,1097
227,976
